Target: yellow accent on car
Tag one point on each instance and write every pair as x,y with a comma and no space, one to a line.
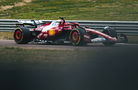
51,32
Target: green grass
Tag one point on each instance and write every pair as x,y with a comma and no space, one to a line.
8,2
76,9
6,35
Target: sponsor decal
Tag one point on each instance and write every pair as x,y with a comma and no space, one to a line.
86,36
51,32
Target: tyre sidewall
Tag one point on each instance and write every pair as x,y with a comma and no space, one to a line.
111,33
81,33
26,35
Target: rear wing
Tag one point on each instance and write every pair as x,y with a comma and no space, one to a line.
29,23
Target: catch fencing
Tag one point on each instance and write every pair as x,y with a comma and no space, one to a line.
128,27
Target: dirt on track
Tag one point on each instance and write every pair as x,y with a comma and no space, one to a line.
91,46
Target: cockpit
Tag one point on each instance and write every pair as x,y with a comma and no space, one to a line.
55,23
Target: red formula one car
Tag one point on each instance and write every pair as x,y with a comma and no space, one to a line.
60,31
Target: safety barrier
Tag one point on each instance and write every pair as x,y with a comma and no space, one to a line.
128,27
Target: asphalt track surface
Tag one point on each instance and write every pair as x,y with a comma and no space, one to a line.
11,43
114,68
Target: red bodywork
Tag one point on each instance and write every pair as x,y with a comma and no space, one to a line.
60,31
57,29
101,34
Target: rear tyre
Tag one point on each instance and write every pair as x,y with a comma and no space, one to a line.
111,33
77,37
22,35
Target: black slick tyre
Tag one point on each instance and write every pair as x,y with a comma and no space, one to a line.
122,38
111,33
77,37
22,35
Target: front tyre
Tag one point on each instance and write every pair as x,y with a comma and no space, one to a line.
77,37
122,38
22,35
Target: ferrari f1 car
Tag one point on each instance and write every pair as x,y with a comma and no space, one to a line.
60,31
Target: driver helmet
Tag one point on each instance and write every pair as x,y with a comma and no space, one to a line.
62,21
107,28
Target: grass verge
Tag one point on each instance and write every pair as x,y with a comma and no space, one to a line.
6,35
75,9
8,2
